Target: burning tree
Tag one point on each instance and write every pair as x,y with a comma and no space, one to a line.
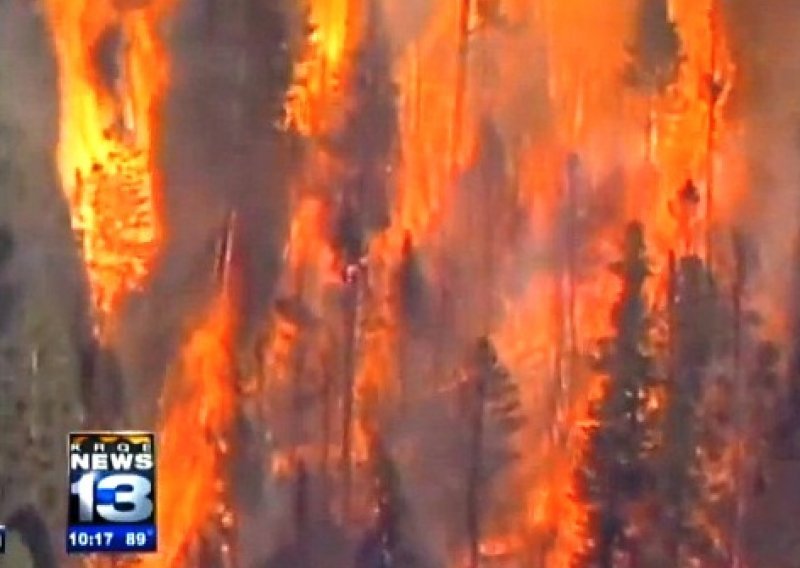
787,430
618,465
411,294
493,415
364,149
366,145
655,50
391,542
693,313
655,56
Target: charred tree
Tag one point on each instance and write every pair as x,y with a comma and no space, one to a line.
695,318
492,182
353,276
493,415
366,149
566,298
484,217
366,146
655,56
413,295
8,293
618,465
655,52
301,514
391,542
786,442
741,414
715,86
412,301
267,71
574,180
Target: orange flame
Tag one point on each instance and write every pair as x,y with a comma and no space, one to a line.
430,157
108,137
579,49
199,406
692,138
312,99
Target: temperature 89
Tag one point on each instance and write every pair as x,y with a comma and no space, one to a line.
135,539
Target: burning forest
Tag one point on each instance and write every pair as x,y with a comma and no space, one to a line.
408,284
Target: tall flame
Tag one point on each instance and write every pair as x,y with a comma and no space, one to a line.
199,404
450,78
113,73
318,76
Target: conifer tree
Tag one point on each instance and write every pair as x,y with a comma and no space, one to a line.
656,48
493,417
391,542
695,320
364,147
366,144
655,57
786,437
617,467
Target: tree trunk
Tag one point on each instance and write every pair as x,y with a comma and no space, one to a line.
350,330
740,408
474,469
301,515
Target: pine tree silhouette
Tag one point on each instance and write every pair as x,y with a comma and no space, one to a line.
493,417
617,467
656,49
366,144
695,325
391,542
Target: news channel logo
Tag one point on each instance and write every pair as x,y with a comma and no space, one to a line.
112,492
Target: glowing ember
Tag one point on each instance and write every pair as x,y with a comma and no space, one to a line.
318,76
108,137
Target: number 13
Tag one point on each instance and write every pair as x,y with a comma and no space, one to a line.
136,493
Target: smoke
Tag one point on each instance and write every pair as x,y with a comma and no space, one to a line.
32,202
49,286
222,154
406,21
766,42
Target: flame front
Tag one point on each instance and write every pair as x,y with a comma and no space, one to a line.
318,76
550,91
113,73
198,408
525,136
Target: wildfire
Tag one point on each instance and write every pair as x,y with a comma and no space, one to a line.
199,405
109,122
665,146
431,157
687,139
318,76
693,133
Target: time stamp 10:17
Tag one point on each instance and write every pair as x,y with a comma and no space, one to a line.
112,492
83,540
